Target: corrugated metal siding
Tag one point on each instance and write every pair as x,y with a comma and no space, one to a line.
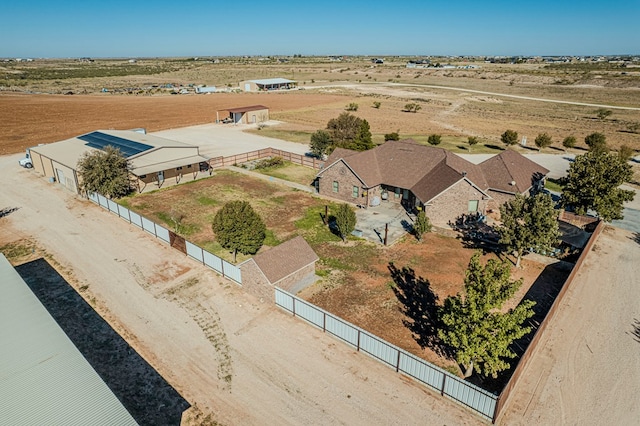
124,213
194,251
470,395
378,348
113,206
102,200
44,379
421,370
148,226
232,271
284,300
308,312
342,329
212,261
162,233
136,219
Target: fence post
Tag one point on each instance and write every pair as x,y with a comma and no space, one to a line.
294,306
444,380
324,322
222,267
398,363
358,348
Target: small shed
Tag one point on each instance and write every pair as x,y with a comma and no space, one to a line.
249,114
290,266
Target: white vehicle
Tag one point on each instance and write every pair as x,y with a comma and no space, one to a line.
26,161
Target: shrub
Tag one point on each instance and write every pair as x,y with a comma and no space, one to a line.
268,163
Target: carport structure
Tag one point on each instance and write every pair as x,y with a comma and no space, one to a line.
249,114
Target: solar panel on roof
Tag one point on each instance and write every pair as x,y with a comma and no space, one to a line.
100,140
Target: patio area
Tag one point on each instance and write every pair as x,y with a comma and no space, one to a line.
371,223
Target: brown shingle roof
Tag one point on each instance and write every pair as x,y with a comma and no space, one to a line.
285,259
511,172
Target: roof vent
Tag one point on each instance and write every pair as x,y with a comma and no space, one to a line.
512,183
464,174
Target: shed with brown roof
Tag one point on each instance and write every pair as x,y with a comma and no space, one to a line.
290,266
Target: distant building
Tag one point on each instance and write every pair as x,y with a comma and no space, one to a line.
248,115
268,84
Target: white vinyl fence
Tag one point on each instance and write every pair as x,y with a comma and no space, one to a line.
219,265
473,397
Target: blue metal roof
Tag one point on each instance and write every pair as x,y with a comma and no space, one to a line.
100,140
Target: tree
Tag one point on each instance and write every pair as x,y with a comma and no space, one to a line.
474,326
603,113
345,220
472,140
344,129
529,223
352,107
376,104
596,142
434,140
412,107
569,142
543,140
239,228
394,136
509,137
320,143
421,225
593,184
105,172
363,140
625,152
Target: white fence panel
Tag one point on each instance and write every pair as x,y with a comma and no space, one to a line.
470,395
136,219
309,312
194,251
341,329
232,271
212,261
379,349
421,370
102,200
148,226
93,196
124,213
284,300
162,233
113,206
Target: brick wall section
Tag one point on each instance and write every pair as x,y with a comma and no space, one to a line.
340,173
454,202
254,281
498,199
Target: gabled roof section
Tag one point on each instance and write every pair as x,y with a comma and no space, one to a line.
511,172
246,109
281,261
267,81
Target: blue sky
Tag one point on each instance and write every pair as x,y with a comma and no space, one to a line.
118,28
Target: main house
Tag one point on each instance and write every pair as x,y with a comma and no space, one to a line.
419,177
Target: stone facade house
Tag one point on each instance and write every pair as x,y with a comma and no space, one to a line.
421,177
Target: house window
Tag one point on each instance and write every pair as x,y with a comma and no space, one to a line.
179,168
189,166
473,205
355,192
142,176
335,186
397,193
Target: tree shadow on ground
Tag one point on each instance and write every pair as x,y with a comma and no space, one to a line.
635,237
138,386
420,305
636,330
7,211
496,147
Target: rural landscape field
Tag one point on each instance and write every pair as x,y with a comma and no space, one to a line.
46,100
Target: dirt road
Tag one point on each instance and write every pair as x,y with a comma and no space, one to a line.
587,369
233,355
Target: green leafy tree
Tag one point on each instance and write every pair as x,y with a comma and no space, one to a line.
394,136
569,142
474,326
529,223
509,137
593,184
376,104
344,129
239,228
345,220
596,142
434,139
543,140
320,144
352,107
421,225
625,152
472,140
363,140
105,172
412,107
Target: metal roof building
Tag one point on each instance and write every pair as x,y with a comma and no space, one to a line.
153,159
268,84
44,379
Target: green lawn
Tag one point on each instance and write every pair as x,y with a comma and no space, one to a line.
285,135
291,172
